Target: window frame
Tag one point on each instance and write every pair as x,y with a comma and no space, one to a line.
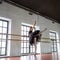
54,41
32,47
6,36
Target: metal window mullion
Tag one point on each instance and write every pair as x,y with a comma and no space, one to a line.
53,46
6,38
1,37
56,42
23,39
1,46
56,47
26,39
23,45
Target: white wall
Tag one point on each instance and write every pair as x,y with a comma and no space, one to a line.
18,15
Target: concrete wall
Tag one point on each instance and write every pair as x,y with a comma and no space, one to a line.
17,16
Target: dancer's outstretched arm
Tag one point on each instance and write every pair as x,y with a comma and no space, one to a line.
43,30
33,27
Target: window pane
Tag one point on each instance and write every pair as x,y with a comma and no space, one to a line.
3,44
3,40
27,33
22,50
24,28
24,44
21,44
4,30
27,44
21,32
28,28
52,50
3,51
52,34
55,49
34,50
0,29
0,23
4,36
4,24
0,40
0,36
0,44
24,38
31,49
25,50
24,33
27,38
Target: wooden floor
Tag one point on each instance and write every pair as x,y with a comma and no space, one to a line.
12,58
46,57
43,57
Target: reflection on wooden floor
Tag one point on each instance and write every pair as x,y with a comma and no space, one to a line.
46,57
43,57
12,58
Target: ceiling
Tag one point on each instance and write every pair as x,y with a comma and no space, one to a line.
47,8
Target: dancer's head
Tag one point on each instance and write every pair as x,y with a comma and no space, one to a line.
31,28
